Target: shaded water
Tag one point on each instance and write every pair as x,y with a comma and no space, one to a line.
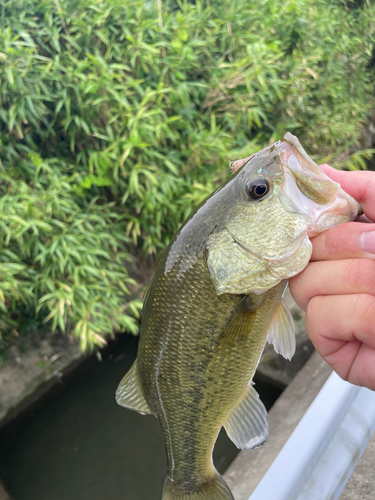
78,444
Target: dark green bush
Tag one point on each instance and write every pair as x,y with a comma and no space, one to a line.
117,119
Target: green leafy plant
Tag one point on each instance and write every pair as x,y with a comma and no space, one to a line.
72,267
116,119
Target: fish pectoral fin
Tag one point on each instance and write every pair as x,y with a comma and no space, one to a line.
282,332
129,393
247,426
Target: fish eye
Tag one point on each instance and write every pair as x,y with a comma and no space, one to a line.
257,188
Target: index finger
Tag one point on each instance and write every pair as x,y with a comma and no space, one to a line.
352,240
359,184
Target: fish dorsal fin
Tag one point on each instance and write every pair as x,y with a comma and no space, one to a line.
129,393
282,332
247,426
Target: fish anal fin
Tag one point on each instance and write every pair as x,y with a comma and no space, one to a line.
248,426
282,332
129,393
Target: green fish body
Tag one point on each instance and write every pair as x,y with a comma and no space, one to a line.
215,299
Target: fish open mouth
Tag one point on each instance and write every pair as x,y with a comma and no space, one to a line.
308,190
310,179
293,154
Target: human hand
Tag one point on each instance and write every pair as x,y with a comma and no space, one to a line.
337,288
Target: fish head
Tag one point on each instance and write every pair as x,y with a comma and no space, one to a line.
280,199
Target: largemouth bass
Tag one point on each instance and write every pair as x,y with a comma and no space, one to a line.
215,299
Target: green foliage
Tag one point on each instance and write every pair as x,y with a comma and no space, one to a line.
115,123
62,259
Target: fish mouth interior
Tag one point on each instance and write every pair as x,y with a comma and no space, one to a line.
313,192
298,159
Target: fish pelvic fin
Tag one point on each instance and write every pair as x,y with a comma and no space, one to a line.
282,332
129,392
214,489
247,426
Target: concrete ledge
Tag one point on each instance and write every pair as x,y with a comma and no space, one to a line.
249,467
3,494
361,485
28,373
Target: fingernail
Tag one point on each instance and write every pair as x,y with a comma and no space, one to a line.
368,242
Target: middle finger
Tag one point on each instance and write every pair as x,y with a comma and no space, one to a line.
338,277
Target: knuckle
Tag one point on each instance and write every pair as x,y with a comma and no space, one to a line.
369,191
353,271
313,313
364,313
360,273
333,240
365,307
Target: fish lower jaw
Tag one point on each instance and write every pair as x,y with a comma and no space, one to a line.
346,210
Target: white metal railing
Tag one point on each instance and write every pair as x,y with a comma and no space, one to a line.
320,456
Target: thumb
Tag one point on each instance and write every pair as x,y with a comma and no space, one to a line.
359,184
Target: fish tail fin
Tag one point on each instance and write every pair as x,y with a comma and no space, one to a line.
214,489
